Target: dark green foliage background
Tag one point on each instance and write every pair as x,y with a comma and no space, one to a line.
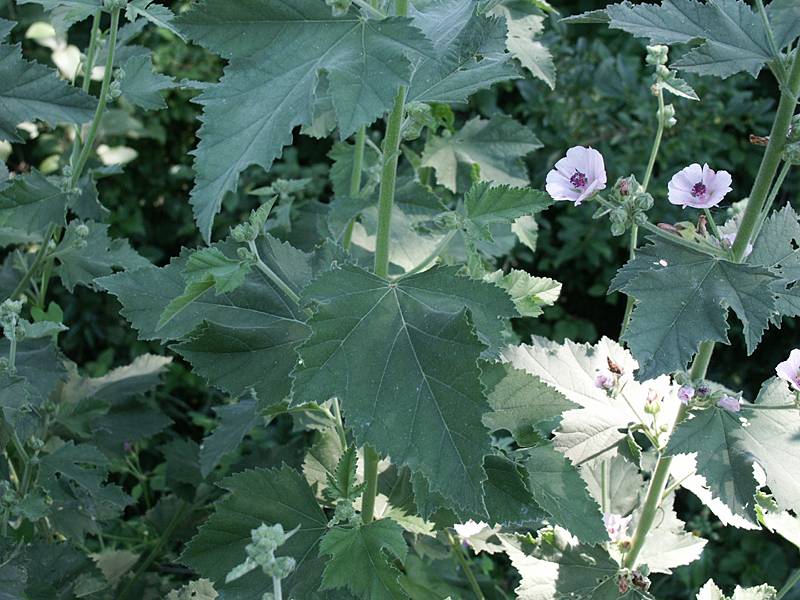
602,99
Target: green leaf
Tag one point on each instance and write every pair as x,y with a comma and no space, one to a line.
32,202
469,54
141,85
521,403
594,429
5,28
84,464
529,293
485,205
343,483
205,269
568,572
83,260
202,589
619,480
558,488
260,496
716,436
235,422
682,299
30,91
524,24
784,19
733,35
406,349
496,146
275,61
358,561
508,497
158,14
710,591
776,249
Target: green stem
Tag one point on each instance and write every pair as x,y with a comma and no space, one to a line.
712,223
355,180
77,169
769,406
337,415
272,276
391,153
648,174
773,46
776,187
277,589
770,162
90,53
156,550
649,511
371,460
37,262
789,585
370,8
462,561
631,300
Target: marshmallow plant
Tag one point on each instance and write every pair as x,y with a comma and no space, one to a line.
434,431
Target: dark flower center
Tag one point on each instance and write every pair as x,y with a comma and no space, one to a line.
579,180
699,189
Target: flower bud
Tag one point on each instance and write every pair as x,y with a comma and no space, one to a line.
662,72
82,230
657,55
604,381
685,394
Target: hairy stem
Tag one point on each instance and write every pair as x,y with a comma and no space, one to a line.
88,66
176,520
443,243
652,504
355,180
41,254
776,187
648,175
462,561
273,276
371,460
88,144
277,589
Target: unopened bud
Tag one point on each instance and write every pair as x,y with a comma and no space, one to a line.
657,55
82,230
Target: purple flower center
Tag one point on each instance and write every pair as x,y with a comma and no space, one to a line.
579,180
699,189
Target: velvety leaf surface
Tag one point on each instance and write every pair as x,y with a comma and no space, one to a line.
359,559
142,86
401,357
32,202
30,91
276,55
682,299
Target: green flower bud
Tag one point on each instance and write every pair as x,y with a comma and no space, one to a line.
794,130
791,154
657,55
82,231
662,72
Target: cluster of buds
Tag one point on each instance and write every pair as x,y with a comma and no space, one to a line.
638,579
632,204
652,405
265,540
9,317
344,513
115,88
658,56
81,236
702,396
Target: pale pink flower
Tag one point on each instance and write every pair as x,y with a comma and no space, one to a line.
789,370
616,526
604,381
730,403
699,187
577,176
